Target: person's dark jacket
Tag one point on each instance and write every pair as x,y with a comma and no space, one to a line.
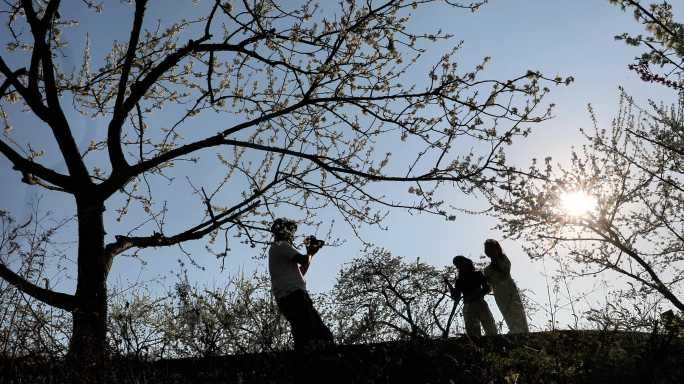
471,286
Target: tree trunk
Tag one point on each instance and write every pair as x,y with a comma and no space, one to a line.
88,346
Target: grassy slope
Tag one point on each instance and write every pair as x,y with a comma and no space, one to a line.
563,356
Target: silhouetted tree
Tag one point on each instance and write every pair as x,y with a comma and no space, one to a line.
190,321
635,229
303,93
29,327
381,297
633,169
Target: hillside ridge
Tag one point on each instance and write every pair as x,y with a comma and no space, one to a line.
557,356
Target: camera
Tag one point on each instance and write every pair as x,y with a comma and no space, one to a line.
313,242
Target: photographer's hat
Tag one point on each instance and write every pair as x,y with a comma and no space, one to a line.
284,228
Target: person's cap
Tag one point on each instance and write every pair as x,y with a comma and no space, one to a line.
284,225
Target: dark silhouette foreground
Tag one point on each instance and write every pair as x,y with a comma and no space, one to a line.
561,356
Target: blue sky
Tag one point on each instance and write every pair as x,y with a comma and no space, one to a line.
570,38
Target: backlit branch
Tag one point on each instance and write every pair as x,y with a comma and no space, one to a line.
123,243
56,299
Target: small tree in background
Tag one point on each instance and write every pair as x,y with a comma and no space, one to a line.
303,94
381,297
199,322
29,327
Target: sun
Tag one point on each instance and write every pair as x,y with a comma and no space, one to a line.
577,203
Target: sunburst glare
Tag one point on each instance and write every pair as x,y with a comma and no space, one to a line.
577,203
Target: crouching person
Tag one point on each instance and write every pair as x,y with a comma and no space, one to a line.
287,268
471,286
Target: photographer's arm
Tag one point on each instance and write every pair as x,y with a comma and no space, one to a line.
305,260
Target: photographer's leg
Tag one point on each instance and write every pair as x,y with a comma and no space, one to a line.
319,332
294,308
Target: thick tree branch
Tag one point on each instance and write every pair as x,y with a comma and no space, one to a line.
325,162
55,299
26,167
612,237
32,98
53,115
336,166
40,29
124,243
122,172
116,155
29,168
10,79
115,182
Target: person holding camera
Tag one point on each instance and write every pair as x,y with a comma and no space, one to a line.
287,268
471,286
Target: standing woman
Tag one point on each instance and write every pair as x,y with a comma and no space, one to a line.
506,294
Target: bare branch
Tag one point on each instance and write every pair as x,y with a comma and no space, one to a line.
56,299
123,243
